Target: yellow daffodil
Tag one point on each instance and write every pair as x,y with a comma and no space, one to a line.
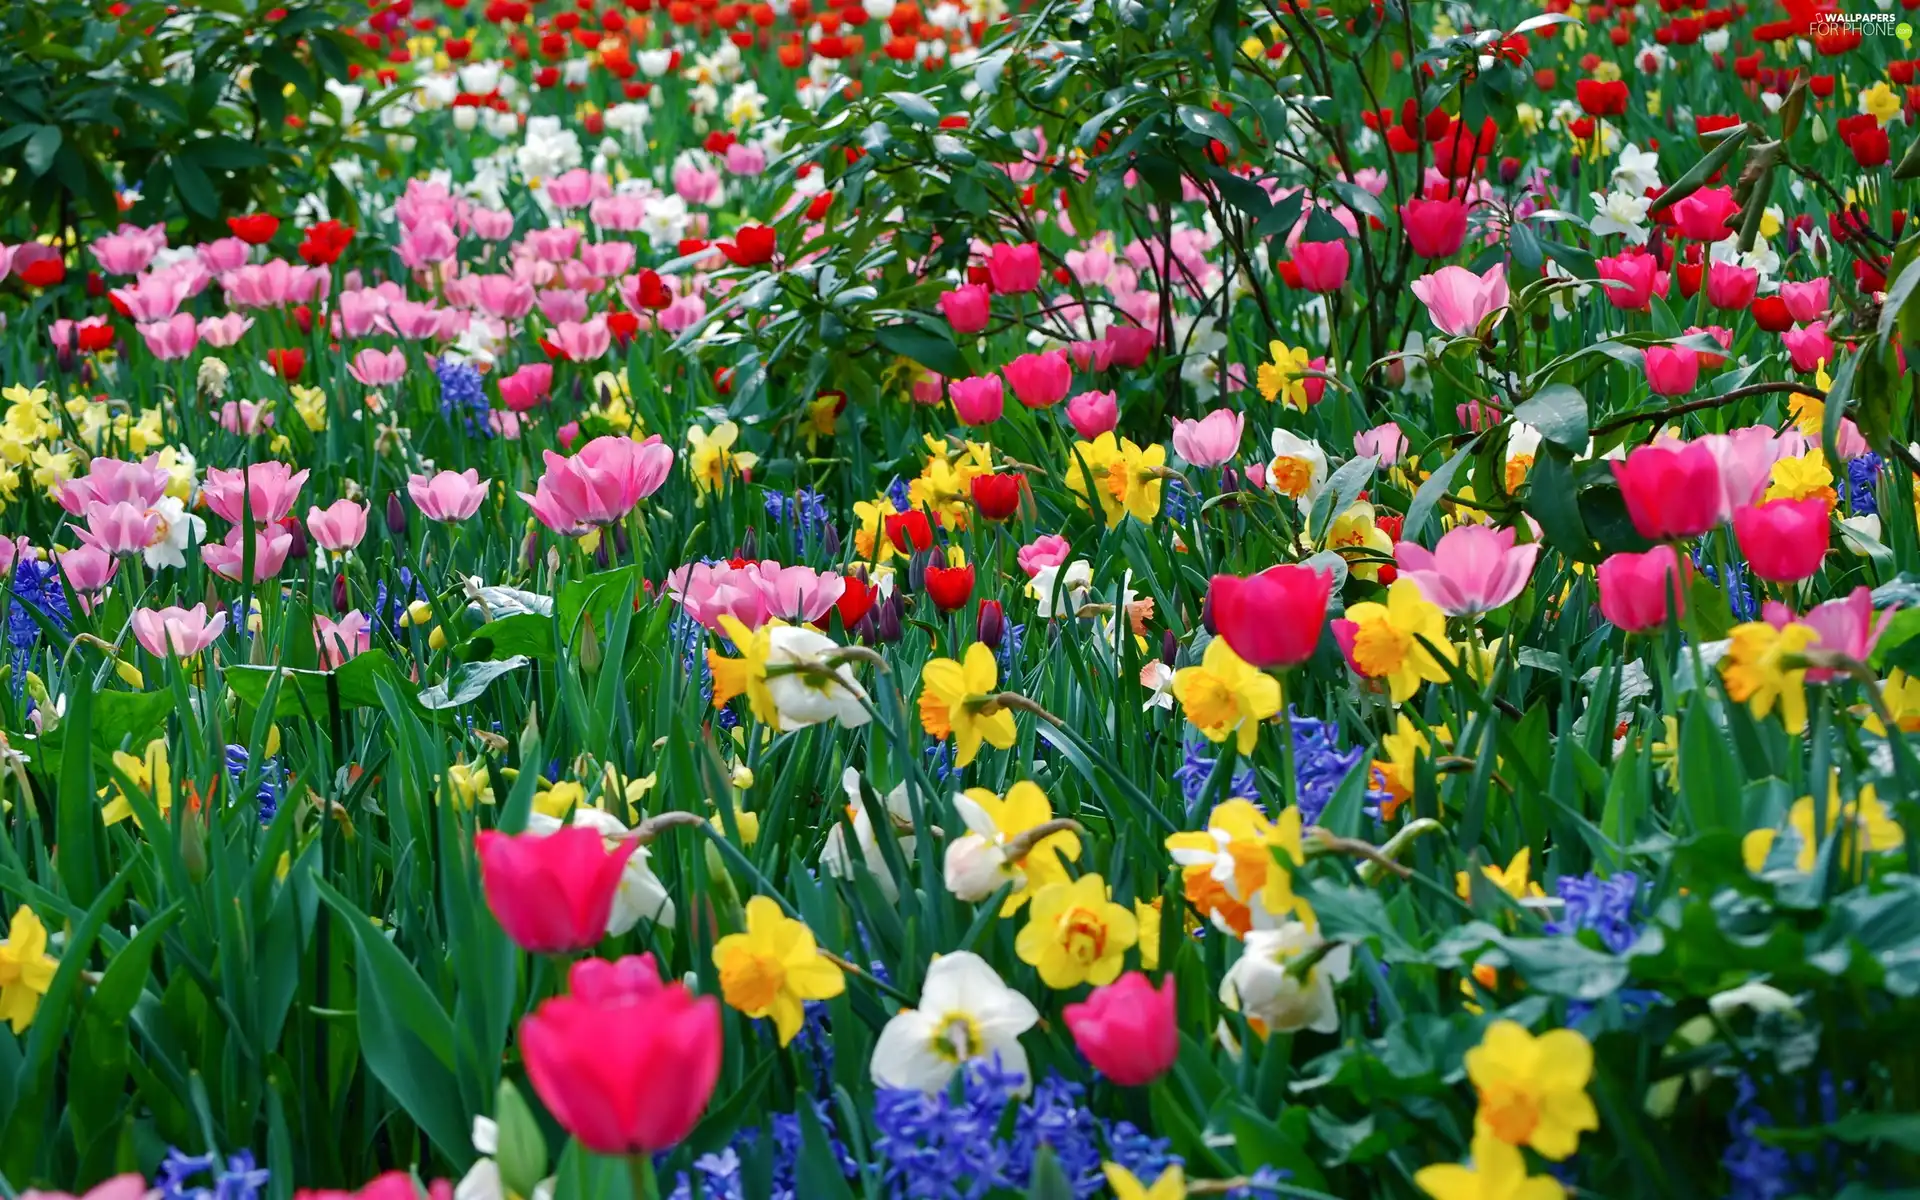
1148,917
747,674
1403,748
1382,641
1075,934
1226,696
1901,693
148,773
1869,828
558,800
26,969
310,403
1284,377
1758,674
999,820
1358,540
773,968
870,540
1171,1185
748,823
1229,867
1512,879
1798,478
1125,479
954,701
1882,101
469,785
822,412
1498,1173
1533,1090
711,457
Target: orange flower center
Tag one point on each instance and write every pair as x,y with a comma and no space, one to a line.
1379,648
1512,1113
1290,476
751,981
1083,935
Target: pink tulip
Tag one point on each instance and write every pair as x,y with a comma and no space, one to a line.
608,259
600,485
1457,300
1040,380
1784,540
491,224
708,590
339,527
796,593
552,893
1846,626
1129,1030
1637,589
223,331
552,245
126,253
1745,458
274,284
1091,356
698,186
416,322
526,388
173,338
426,244
1132,345
1323,265
153,297
227,559
504,296
1719,333
1474,569
1703,216
1627,280
177,631
1806,302
88,569
1014,269
623,213
967,307
1272,618
570,189
120,1187
111,481
1384,442
598,1057
584,341
378,368
120,528
1809,347
1731,287
244,417
222,254
1212,440
339,641
447,496
1093,413
562,304
1672,370
268,490
977,401
1047,550
1672,491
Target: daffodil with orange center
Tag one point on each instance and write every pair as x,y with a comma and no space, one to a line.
1761,672
955,700
774,967
1229,871
1225,696
1383,641
1075,934
1533,1090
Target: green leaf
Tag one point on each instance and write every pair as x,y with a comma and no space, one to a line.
128,719
196,190
304,694
929,349
41,147
1432,489
77,810
1553,500
1696,176
468,682
1210,124
1559,412
915,108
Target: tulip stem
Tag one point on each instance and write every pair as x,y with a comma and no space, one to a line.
640,1171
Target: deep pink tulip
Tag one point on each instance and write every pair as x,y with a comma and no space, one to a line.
339,641
1672,491
1091,356
1703,216
1809,347
1274,618
267,489
528,387
626,1063
1637,589
552,893
600,485
447,496
1435,228
977,401
1784,540
389,1185
1129,1030
967,307
1457,300
1473,569
1628,280
174,630
1132,345
1323,265
1730,286
1212,440
1040,380
120,1187
1093,413
1806,302
173,338
1014,269
1672,370
338,527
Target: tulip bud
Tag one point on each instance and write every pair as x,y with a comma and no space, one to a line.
340,592
1169,647
991,626
1509,169
1206,615
748,545
830,540
866,630
889,621
297,548
396,515
975,868
917,570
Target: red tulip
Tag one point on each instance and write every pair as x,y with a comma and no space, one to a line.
552,893
1636,589
325,242
752,246
1128,1029
1672,492
255,229
1323,265
997,496
1601,99
288,363
909,531
950,587
41,270
1784,540
1272,619
856,600
1771,314
1435,228
626,1063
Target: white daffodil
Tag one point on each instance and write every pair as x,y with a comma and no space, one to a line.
1298,469
178,530
1070,583
1263,987
1621,212
966,1014
835,858
641,895
976,863
812,696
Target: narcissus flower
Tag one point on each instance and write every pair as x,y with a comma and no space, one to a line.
1759,673
1126,479
999,846
1511,879
965,1014
1170,1185
1869,828
1075,934
1533,1090
148,774
774,967
26,969
1227,697
1228,869
785,673
955,699
1499,1172
1276,997
1383,641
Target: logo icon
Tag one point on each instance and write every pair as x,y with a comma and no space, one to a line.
1903,31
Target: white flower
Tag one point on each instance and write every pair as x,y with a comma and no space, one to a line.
178,530
1072,588
655,63
502,125
1621,212
549,149
810,697
1762,998
1201,343
350,96
1522,439
1261,986
1716,42
835,859
641,895
966,1014
438,91
745,104
1298,468
1157,678
480,78
630,121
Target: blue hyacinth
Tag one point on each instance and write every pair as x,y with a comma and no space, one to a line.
1755,1169
1863,478
205,1177
1320,766
1602,905
272,786
463,396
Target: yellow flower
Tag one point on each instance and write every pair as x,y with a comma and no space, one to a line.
1869,829
822,412
1533,1091
870,540
1882,101
1226,696
469,784
1125,479
1172,1184
311,405
1498,1173
772,968
1901,692
50,469
1353,533
748,673
1285,375
1512,880
1075,934
1404,748
712,458
148,773
1230,863
953,700
1382,640
1799,478
1757,674
26,969
559,799
1024,807
1148,917
748,823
